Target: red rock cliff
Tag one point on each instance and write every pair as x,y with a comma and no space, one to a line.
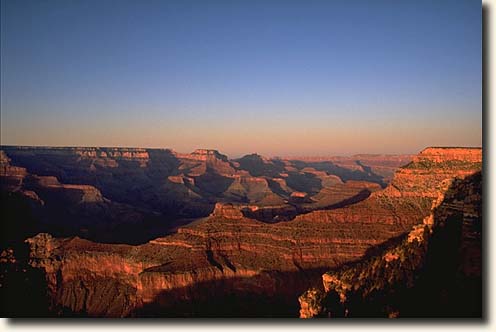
237,253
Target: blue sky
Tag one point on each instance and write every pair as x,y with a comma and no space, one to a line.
274,77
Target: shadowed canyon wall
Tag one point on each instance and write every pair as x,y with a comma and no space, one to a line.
244,253
432,271
132,195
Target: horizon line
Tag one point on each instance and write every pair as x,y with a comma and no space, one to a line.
286,156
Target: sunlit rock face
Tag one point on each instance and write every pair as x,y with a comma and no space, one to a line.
227,211
440,155
420,273
427,174
132,195
11,176
234,256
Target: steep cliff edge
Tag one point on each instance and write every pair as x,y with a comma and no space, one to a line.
132,195
432,271
244,266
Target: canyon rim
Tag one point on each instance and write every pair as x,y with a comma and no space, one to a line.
119,232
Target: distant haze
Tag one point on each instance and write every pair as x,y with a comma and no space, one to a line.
272,77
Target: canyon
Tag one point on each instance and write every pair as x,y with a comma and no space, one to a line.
120,190
434,270
130,232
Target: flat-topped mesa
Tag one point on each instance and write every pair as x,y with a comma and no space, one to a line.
235,211
227,210
444,154
124,153
208,161
269,213
91,152
205,154
432,170
115,153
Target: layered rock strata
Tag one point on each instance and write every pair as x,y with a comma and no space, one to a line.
422,273
227,254
127,190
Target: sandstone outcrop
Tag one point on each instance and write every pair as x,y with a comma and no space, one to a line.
441,154
249,235
228,211
121,189
230,253
427,265
11,177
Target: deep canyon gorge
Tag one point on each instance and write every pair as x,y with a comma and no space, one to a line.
136,232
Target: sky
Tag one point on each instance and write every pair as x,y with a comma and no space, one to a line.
275,77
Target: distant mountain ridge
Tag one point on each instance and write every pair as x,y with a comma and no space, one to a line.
245,259
161,188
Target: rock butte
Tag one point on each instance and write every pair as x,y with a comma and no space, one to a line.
108,193
246,248
434,271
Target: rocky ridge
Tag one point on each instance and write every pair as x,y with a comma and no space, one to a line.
126,190
233,256
410,276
